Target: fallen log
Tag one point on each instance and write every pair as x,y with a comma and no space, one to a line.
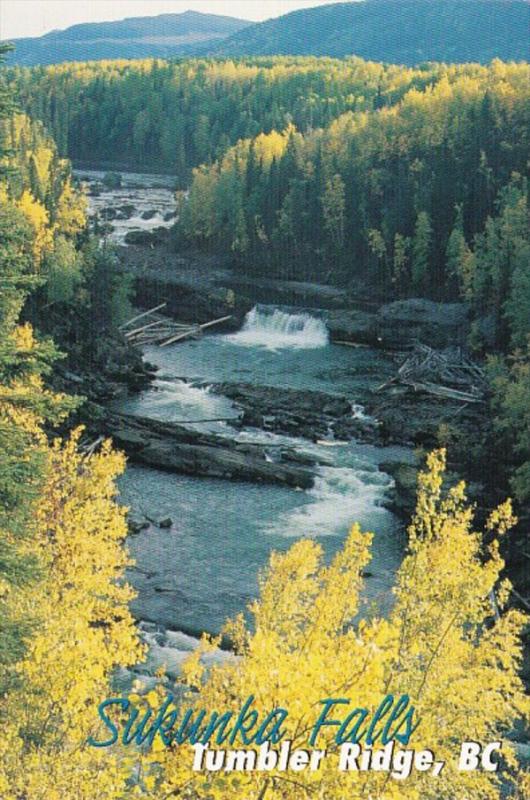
179,337
214,322
445,392
194,330
143,314
349,344
158,322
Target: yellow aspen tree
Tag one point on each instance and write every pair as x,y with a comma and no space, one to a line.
70,216
449,643
38,216
85,630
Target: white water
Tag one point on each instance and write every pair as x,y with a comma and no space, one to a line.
145,192
174,400
279,330
182,401
167,650
339,497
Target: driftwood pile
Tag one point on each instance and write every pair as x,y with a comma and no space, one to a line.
447,374
161,330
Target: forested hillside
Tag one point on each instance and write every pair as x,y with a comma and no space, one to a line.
383,193
174,117
427,196
165,36
397,31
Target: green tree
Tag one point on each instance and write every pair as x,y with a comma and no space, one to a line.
333,209
421,252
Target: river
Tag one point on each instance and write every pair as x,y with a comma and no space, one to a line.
191,576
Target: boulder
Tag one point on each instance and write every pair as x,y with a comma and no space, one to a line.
126,210
352,326
108,213
418,319
112,180
136,524
173,447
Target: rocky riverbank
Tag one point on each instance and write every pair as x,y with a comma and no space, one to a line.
177,448
115,370
198,287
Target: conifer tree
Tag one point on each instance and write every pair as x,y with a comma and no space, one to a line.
421,252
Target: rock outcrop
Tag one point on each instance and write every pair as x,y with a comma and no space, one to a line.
173,447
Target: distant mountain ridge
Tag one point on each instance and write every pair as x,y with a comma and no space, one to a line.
397,31
164,36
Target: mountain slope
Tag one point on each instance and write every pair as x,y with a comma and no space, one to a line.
400,31
166,35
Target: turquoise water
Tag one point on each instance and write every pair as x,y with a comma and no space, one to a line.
204,569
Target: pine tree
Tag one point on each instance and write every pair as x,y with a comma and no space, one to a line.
459,262
421,252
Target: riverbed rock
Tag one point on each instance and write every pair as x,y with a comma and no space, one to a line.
175,448
117,369
126,210
311,415
112,180
143,238
95,189
402,499
160,234
298,294
136,524
418,319
149,214
352,326
108,213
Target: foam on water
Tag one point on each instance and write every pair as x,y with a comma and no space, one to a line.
279,330
340,496
183,396
169,649
151,193
174,400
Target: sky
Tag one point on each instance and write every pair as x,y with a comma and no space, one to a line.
19,18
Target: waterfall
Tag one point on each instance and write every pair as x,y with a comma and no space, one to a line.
277,329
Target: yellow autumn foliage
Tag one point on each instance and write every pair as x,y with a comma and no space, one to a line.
443,644
38,216
84,631
70,216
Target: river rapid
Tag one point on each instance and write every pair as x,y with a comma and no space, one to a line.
191,576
